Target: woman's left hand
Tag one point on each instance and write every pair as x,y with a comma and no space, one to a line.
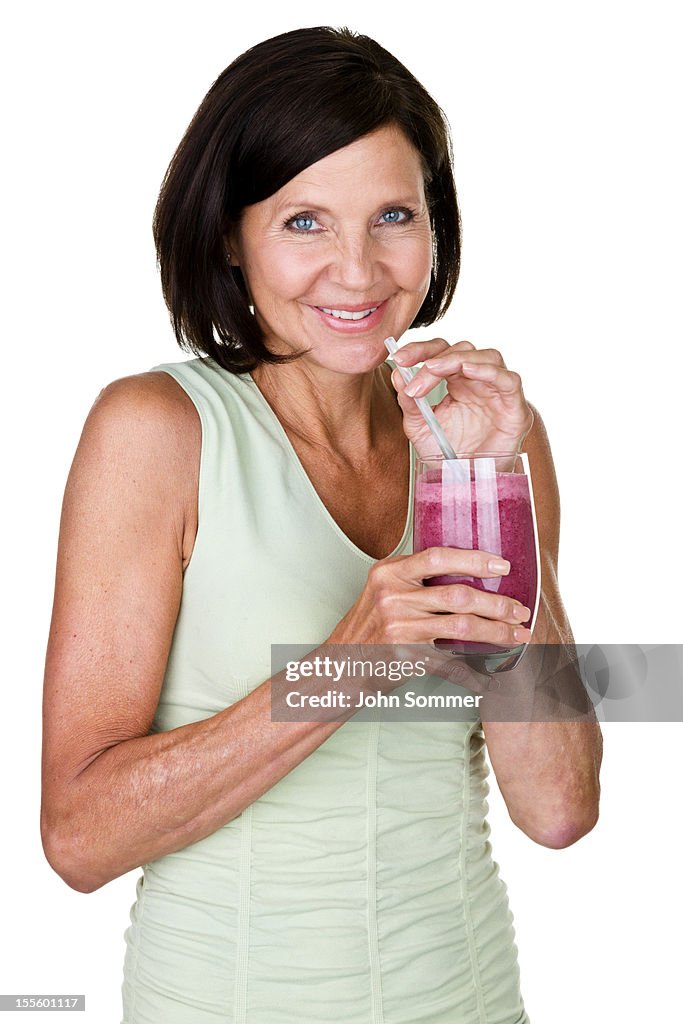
484,410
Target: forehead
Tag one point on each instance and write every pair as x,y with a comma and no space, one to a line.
382,161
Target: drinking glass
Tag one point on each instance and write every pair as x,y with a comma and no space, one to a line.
481,501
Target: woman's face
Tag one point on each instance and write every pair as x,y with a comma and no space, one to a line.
349,234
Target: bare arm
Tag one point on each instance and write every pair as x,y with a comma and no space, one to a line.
115,797
548,771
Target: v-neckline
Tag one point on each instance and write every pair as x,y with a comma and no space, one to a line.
294,457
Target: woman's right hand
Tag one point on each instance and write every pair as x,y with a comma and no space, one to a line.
395,607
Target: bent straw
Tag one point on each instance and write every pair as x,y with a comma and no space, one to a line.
407,372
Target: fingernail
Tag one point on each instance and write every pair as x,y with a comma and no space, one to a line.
499,565
521,634
413,389
521,613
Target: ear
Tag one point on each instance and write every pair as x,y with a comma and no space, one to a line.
232,246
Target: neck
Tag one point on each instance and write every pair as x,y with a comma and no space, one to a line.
347,414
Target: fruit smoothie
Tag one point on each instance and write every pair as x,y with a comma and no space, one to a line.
493,514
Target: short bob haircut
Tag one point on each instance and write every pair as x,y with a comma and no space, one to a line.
281,106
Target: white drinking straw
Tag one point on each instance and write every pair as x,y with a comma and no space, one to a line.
407,372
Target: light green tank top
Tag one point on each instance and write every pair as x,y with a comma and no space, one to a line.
360,889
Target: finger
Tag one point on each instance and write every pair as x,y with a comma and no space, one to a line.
506,382
419,351
442,561
449,364
413,420
471,627
429,628
464,599
482,355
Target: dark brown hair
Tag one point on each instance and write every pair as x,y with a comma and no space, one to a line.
281,106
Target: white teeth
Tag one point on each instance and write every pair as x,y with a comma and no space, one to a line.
344,314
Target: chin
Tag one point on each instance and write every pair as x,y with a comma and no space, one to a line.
359,357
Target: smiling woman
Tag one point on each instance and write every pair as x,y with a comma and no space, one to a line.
310,870
358,267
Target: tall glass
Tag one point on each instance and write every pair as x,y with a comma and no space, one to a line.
481,501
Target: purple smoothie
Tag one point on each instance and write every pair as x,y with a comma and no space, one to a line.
493,514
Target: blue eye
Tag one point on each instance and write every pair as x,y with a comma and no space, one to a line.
301,224
397,215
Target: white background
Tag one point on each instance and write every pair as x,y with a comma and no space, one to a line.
566,131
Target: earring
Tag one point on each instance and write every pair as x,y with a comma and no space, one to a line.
228,256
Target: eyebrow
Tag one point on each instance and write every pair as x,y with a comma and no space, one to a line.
302,204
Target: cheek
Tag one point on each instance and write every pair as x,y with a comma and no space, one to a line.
414,264
286,272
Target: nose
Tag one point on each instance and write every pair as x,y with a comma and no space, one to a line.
355,265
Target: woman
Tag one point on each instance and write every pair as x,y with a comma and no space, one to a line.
258,494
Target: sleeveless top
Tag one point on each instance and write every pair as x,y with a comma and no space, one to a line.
360,888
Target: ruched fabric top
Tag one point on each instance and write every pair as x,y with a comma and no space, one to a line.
360,889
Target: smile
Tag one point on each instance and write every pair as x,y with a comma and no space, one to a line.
347,314
353,320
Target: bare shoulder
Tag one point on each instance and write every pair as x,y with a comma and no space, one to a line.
143,430
152,401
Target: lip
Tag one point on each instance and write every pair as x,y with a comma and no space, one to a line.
352,326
